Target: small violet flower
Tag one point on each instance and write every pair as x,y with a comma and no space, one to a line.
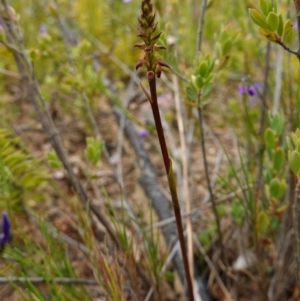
142,133
251,90
126,1
43,29
5,227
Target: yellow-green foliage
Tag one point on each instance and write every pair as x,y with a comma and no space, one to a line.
20,172
112,23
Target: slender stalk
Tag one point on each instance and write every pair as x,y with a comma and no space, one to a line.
38,280
260,163
296,219
200,119
169,171
185,171
214,205
201,25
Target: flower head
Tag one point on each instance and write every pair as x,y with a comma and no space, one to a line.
4,236
251,90
43,29
147,32
142,133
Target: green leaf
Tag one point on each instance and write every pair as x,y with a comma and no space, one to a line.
192,93
294,161
53,159
194,82
34,54
263,6
280,25
274,187
278,159
295,138
262,221
287,34
272,21
203,69
218,49
258,18
270,138
289,143
211,64
277,188
287,39
206,89
226,47
277,123
198,82
93,150
298,145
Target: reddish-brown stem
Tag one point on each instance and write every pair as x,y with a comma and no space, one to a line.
157,120
168,167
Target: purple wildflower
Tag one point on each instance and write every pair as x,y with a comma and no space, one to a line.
4,236
242,89
43,29
142,133
251,90
126,1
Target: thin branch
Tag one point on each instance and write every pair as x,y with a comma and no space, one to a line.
296,221
213,269
296,53
10,73
278,80
201,25
186,187
209,186
37,280
261,143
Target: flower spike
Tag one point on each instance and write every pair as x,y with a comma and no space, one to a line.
147,32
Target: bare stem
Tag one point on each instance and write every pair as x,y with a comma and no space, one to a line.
296,218
37,280
214,205
296,53
169,171
202,138
201,25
